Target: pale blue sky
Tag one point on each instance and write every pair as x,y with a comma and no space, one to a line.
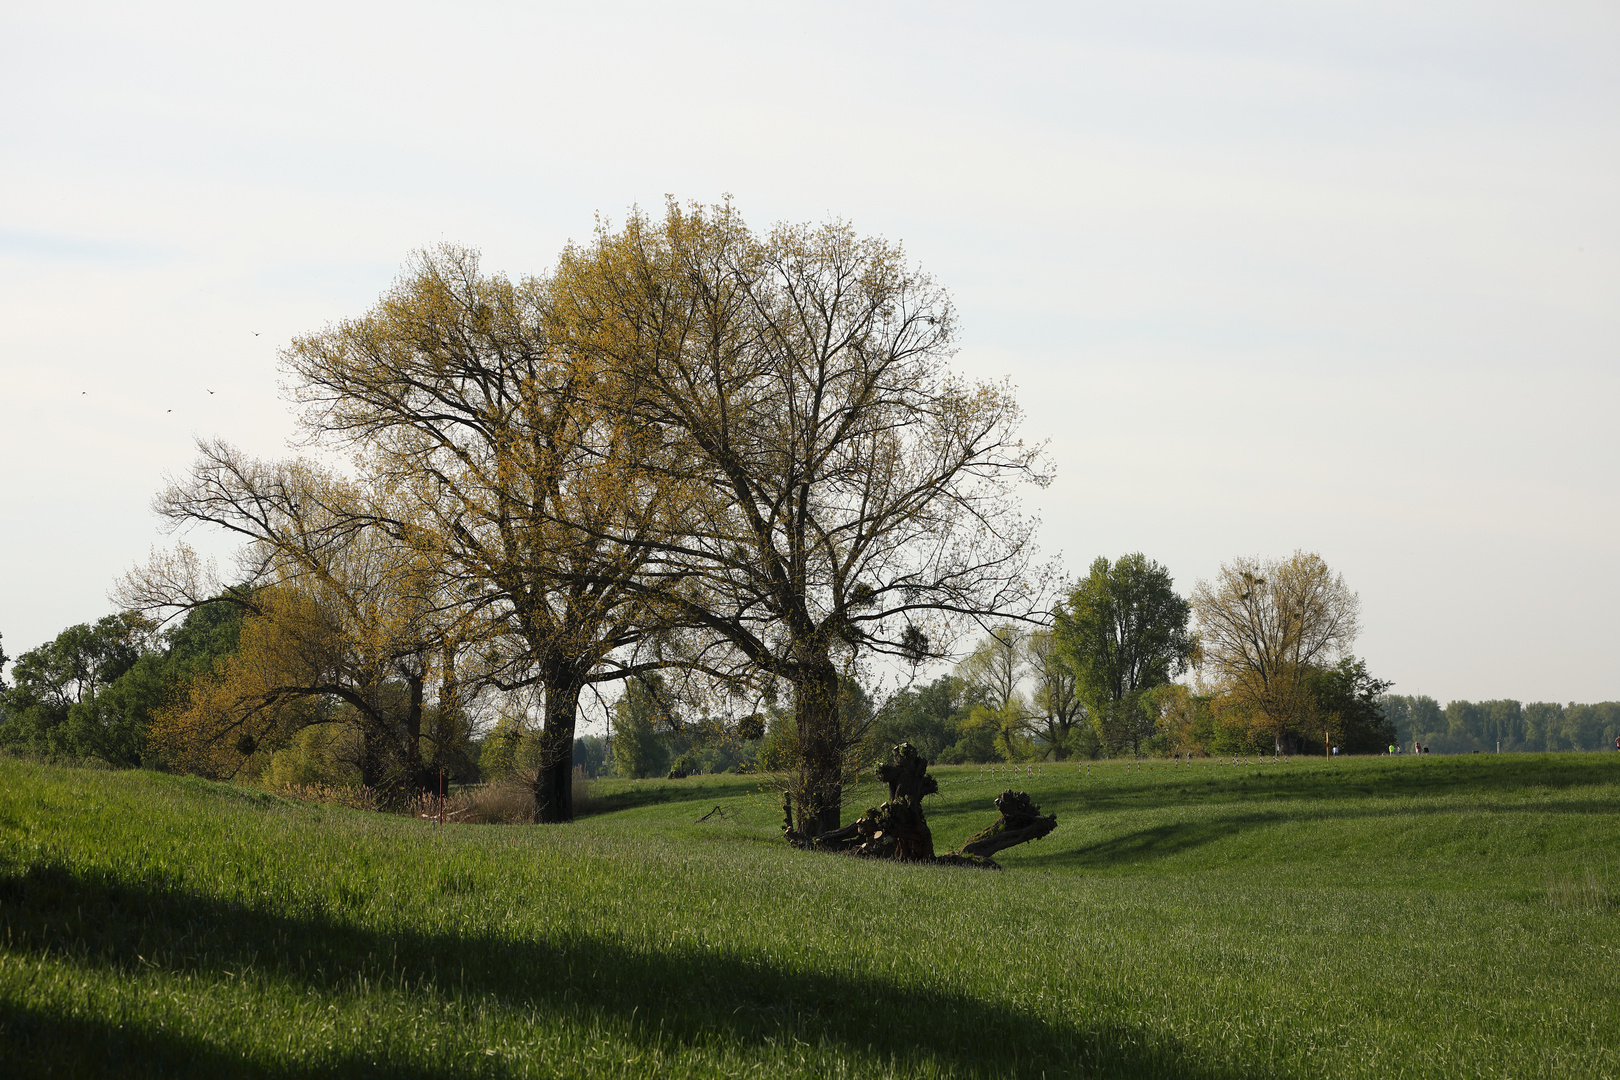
1340,277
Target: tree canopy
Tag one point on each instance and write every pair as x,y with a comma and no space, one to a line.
844,493
1265,626
1124,632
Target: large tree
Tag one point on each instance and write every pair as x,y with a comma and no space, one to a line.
1124,632
520,489
848,494
1266,625
339,617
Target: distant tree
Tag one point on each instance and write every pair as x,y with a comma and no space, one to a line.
1416,719
638,716
995,667
590,752
1265,625
1347,704
1543,721
929,717
508,747
1465,726
63,704
1591,727
1182,716
1123,630
1059,711
1000,716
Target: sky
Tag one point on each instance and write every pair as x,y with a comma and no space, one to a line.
1268,276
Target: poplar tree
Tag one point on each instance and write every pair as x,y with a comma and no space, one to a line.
845,493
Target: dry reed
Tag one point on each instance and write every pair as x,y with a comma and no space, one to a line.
508,801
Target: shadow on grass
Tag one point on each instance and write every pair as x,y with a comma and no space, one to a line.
642,793
1482,775
34,1043
1157,842
671,999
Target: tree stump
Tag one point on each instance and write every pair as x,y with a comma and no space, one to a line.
898,829
1020,821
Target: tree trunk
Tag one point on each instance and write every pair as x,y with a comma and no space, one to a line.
821,751
417,774
554,783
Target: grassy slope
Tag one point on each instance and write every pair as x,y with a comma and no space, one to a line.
1378,918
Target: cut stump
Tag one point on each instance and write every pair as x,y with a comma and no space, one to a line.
898,829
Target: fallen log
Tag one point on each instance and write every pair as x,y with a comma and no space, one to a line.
899,830
1020,822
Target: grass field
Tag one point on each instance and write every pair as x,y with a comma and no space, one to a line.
1408,917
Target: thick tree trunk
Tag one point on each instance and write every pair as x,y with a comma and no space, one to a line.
821,749
554,783
417,774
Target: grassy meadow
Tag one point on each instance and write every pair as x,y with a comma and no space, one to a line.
1405,917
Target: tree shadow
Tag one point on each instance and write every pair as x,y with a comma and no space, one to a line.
35,1043
1356,780
665,792
675,998
1174,838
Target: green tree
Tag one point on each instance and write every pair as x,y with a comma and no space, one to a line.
929,717
1347,704
993,672
63,703
638,716
1059,710
1416,719
590,751
525,496
1123,631
345,624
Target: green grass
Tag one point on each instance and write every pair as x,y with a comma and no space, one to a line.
1366,918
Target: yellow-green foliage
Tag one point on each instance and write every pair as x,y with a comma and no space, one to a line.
323,754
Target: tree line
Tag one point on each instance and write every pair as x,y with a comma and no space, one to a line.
1268,641
736,458
1462,727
